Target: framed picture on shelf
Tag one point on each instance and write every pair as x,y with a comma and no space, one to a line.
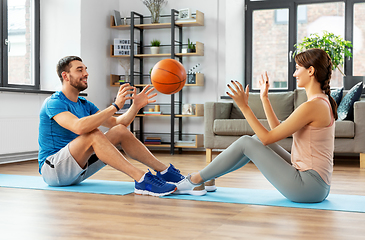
117,18
184,14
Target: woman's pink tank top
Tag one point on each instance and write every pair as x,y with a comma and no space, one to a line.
313,147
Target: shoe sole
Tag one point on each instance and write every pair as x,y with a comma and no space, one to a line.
191,192
210,188
145,192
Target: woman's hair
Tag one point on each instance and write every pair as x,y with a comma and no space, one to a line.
64,65
322,65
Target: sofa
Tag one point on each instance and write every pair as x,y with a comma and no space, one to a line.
224,123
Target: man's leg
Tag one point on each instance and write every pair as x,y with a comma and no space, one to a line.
85,145
133,147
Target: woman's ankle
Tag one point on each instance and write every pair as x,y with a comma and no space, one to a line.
195,178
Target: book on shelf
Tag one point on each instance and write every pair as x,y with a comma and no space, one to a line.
153,140
185,143
151,113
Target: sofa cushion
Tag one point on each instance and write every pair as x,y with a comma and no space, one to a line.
235,127
300,96
239,127
336,94
345,110
282,104
345,129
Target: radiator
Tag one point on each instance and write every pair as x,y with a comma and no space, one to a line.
18,135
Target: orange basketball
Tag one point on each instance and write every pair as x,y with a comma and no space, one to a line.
168,76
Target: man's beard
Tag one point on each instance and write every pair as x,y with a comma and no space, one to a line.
77,84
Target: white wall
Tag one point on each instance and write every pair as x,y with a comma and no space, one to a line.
81,27
60,32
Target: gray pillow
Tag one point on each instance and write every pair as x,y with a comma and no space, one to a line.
282,103
345,110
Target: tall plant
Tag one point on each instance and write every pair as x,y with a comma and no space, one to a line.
155,7
334,45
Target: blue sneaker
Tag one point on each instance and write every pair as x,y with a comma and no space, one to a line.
153,185
172,175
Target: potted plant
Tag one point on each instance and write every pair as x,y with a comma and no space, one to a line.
191,47
155,7
337,49
155,46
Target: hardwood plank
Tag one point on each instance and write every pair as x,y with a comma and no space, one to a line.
37,214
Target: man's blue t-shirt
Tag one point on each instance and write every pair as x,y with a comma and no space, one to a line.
52,137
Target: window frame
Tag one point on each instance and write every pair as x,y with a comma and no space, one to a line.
4,81
292,5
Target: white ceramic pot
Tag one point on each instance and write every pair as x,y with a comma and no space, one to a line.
155,50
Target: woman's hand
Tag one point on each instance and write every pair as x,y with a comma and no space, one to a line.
264,86
143,98
238,94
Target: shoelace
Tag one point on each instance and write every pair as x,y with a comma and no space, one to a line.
155,179
174,169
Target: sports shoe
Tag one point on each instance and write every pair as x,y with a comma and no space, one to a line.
187,187
153,185
172,175
210,185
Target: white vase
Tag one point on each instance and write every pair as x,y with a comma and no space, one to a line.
155,50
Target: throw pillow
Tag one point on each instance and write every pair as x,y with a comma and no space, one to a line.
337,94
345,110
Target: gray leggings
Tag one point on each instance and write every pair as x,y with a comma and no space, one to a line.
274,163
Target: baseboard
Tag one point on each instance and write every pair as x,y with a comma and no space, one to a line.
18,157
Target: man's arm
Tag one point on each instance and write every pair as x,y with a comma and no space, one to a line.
86,124
139,101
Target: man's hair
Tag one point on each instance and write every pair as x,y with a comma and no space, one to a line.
64,65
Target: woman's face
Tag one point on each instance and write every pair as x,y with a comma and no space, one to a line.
302,75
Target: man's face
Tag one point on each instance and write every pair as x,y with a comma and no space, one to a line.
78,75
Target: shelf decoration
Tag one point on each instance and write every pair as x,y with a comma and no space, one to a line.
125,63
155,7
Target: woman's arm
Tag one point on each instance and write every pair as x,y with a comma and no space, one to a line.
264,96
302,116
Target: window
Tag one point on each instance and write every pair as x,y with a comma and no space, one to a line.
20,44
273,27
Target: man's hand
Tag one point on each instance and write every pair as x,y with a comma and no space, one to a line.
123,94
238,94
143,98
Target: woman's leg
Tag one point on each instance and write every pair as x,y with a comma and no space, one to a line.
293,184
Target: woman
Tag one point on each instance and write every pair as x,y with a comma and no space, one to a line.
305,175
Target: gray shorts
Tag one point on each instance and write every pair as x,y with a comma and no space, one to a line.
61,169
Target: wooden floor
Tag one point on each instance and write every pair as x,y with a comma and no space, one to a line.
38,214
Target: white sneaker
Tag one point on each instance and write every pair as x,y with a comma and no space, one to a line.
210,185
187,187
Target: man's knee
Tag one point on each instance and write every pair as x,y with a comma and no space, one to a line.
120,129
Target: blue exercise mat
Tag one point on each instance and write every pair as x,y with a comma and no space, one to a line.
334,202
87,186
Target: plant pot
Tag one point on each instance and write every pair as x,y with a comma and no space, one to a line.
191,50
350,81
155,50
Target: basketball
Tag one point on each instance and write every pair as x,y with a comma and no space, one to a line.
168,76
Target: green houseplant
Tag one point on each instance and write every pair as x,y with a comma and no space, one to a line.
337,49
191,46
335,46
155,46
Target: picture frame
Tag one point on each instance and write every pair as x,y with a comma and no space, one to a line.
184,14
117,18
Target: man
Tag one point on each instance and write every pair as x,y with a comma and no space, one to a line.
72,148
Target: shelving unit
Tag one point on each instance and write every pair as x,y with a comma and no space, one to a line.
137,78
